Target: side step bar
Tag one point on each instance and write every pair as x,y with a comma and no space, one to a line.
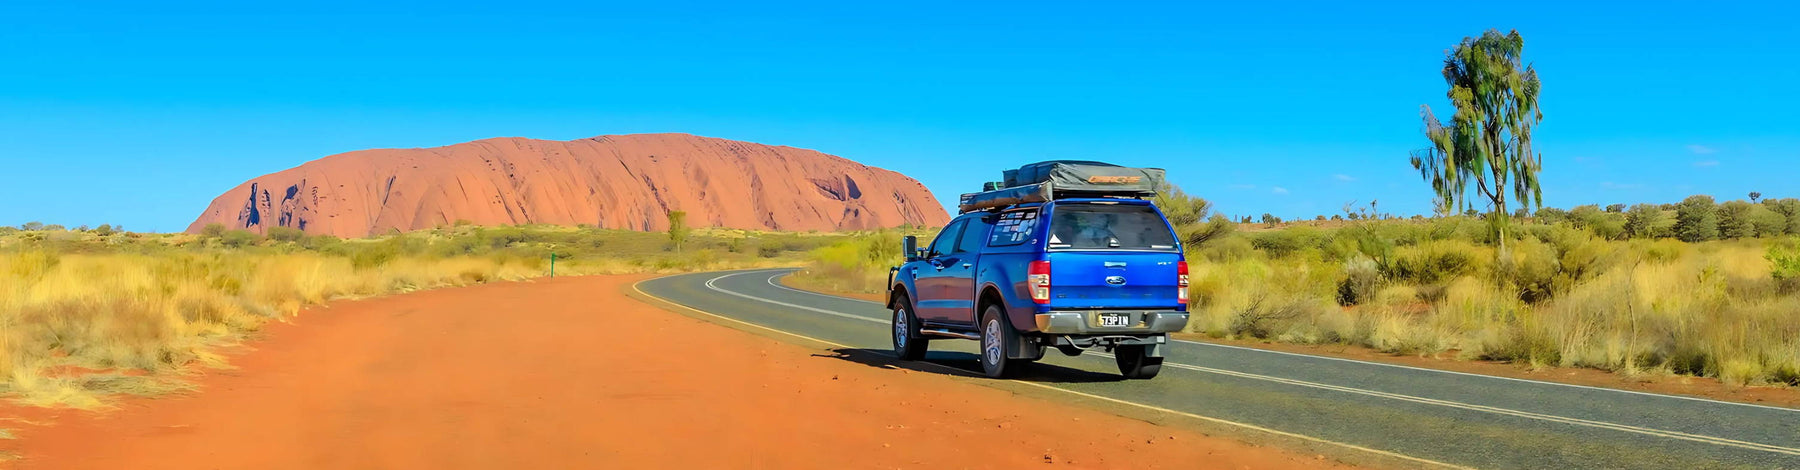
948,333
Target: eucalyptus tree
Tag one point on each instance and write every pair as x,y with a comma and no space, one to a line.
1486,145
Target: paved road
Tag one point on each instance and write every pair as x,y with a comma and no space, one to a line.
1422,417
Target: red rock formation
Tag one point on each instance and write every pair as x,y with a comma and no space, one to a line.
622,181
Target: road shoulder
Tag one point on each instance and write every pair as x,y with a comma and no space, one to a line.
1664,384
569,373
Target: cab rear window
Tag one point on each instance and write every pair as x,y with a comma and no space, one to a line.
1109,227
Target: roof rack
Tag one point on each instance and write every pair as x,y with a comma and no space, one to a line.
1063,179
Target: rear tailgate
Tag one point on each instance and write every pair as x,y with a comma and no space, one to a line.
1145,280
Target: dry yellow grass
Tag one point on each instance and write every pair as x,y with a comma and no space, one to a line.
84,316
1562,297
138,320
1709,309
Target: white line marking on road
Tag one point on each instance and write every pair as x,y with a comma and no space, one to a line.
709,284
1396,366
1720,441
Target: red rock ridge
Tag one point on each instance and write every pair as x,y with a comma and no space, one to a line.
614,181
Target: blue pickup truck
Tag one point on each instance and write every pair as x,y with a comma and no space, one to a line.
1072,261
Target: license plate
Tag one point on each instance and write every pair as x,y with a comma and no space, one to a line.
1115,319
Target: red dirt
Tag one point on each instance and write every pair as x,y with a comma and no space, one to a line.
615,181
569,373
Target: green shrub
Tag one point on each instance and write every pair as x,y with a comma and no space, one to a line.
374,255
1362,280
1767,221
1790,210
1784,259
1648,221
1265,316
1734,220
1285,243
1460,228
1697,219
238,238
1229,249
1434,262
1607,225
1552,216
286,234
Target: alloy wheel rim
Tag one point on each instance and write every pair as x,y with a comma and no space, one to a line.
991,336
900,328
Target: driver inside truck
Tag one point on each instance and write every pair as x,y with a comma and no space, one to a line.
1083,229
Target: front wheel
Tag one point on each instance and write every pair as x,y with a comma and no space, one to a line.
908,343
1135,362
996,337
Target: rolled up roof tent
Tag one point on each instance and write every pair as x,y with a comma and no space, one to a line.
1058,179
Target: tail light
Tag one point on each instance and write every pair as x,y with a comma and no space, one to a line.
1181,282
1038,280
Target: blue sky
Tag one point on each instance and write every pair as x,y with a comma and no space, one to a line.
138,113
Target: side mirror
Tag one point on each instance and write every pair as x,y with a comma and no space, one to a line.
910,246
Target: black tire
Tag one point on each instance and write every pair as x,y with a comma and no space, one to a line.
997,337
1134,362
909,345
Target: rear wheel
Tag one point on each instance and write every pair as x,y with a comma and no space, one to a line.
1135,362
908,343
997,336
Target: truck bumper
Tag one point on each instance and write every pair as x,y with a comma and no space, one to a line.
1088,322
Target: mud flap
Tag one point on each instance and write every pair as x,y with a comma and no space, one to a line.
1025,347
1154,349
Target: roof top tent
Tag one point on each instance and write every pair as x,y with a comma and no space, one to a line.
1059,179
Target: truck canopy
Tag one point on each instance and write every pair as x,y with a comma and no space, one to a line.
1057,179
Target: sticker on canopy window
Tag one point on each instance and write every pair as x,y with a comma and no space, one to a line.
1013,228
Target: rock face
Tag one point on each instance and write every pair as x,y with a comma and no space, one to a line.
623,181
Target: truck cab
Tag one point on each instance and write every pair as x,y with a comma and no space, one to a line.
1072,274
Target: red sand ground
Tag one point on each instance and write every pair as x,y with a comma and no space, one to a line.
569,373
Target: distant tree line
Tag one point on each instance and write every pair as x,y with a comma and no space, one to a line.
1695,219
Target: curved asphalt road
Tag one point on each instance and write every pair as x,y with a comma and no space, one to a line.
1414,416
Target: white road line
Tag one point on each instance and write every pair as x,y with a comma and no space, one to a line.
1495,377
1720,441
1397,366
709,284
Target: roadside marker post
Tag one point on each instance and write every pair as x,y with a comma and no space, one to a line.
553,265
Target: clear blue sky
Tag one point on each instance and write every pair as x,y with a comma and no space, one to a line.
138,113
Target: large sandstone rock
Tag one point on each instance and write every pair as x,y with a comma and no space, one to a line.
623,181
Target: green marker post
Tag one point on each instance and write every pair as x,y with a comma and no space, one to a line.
553,265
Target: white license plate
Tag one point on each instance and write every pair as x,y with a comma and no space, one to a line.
1115,319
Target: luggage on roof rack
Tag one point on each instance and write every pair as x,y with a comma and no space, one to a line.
1057,179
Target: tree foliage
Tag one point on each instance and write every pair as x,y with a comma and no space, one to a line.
1734,220
1186,213
1646,221
1697,219
678,229
1487,144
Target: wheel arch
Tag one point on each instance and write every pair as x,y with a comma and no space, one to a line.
896,292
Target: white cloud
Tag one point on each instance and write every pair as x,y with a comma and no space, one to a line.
1706,163
1700,149
1343,177
1278,190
